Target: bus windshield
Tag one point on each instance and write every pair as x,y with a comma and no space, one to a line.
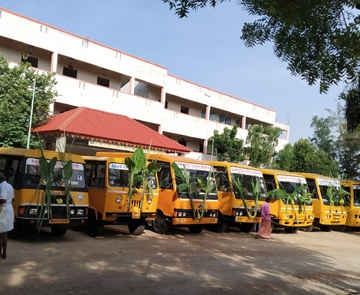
118,175
195,170
247,177
32,174
290,184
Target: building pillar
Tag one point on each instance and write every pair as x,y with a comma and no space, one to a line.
205,146
132,85
207,114
60,144
54,62
162,98
160,129
243,122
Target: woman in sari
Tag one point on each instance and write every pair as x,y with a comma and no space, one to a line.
265,228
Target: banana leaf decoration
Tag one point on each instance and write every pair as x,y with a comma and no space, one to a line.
185,184
207,187
304,199
238,187
341,196
290,198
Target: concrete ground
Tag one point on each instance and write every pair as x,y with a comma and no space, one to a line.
182,263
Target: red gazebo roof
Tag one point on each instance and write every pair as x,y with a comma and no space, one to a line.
108,127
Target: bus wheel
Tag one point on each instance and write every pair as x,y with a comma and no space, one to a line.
326,227
136,228
160,225
308,228
291,229
94,227
340,227
246,227
196,229
58,231
15,233
220,226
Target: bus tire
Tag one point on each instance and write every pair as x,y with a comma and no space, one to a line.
339,227
196,228
291,229
326,227
160,225
15,233
58,231
94,227
246,227
136,228
308,228
221,226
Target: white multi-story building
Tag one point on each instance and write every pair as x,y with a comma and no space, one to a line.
96,76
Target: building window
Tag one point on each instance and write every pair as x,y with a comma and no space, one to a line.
33,61
70,72
103,82
201,147
213,117
239,123
182,141
184,110
222,119
228,121
203,114
166,104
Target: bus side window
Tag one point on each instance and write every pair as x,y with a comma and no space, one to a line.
18,176
270,182
222,179
164,176
96,177
312,188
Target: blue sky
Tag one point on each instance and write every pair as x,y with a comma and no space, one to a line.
204,48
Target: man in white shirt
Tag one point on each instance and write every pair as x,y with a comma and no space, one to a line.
7,213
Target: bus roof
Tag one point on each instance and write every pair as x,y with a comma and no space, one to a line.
281,172
120,159
228,164
36,153
314,175
159,157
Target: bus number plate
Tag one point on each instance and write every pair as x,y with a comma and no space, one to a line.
59,221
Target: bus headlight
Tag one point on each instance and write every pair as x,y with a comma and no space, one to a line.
118,199
240,213
72,211
179,214
149,200
33,211
80,212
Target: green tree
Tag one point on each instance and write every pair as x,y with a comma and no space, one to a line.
319,40
283,159
262,142
227,146
323,137
307,158
16,86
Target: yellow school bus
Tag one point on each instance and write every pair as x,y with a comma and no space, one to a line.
326,216
353,204
231,206
174,207
21,168
282,213
107,180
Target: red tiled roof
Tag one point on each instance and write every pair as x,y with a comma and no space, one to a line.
108,127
